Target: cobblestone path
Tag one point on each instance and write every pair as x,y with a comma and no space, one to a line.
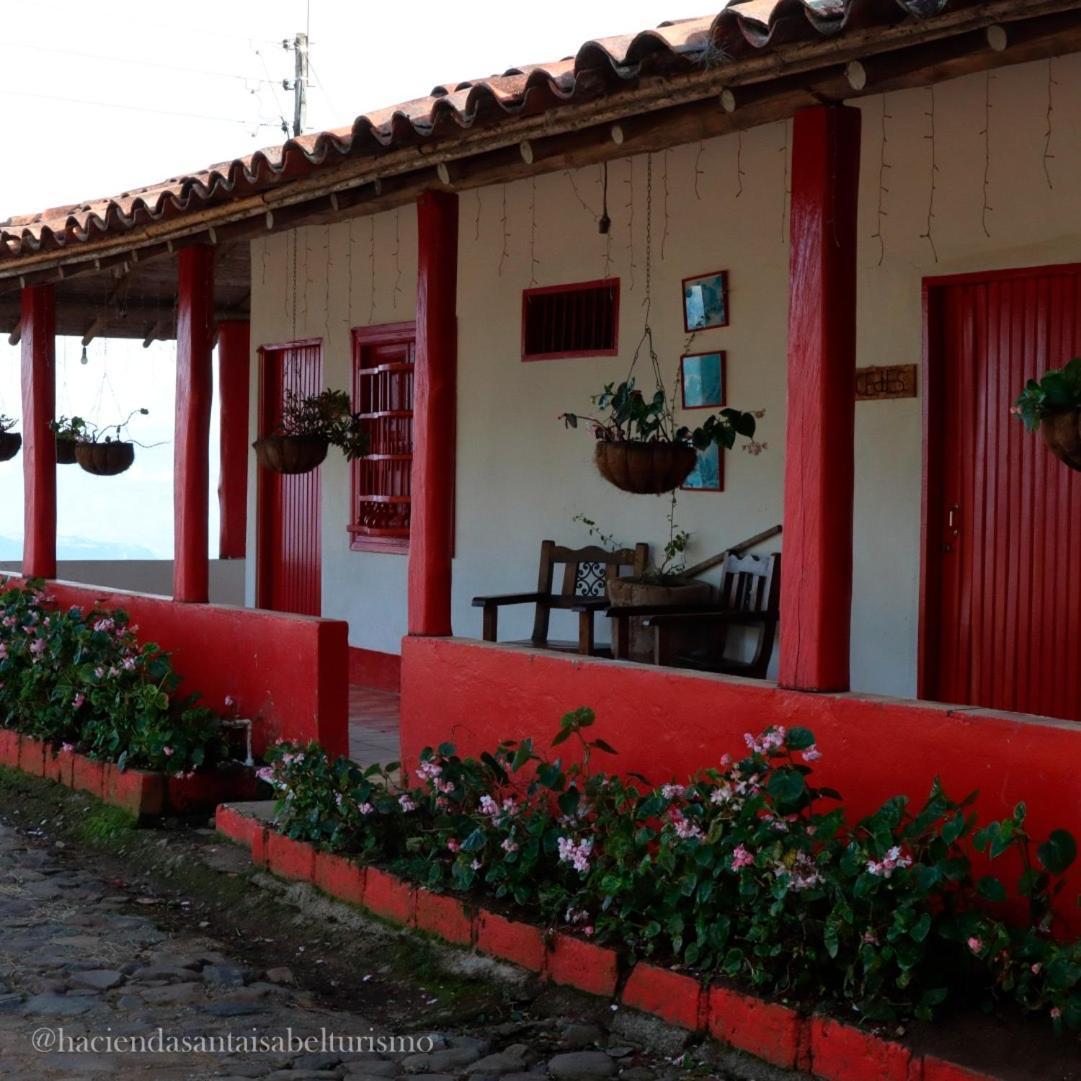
79,959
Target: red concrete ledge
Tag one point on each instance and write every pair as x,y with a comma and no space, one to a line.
770,1031
144,793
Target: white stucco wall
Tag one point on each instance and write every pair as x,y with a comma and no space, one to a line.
521,478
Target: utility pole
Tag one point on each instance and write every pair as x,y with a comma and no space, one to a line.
299,85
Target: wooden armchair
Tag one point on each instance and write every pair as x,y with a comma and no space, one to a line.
697,636
584,589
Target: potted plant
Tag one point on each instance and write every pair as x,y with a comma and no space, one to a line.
663,585
641,449
102,451
69,431
1053,404
307,429
9,441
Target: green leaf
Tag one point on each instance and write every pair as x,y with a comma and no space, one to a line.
786,786
1058,852
990,889
921,928
799,739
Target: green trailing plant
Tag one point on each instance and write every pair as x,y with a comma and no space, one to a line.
70,429
328,415
671,568
1057,391
628,415
79,430
79,677
749,870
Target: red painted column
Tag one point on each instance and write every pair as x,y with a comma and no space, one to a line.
194,391
816,584
431,531
234,369
39,442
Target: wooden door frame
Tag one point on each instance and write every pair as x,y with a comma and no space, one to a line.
931,526
264,478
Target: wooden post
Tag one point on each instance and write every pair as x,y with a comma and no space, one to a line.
194,391
431,533
39,440
816,587
234,369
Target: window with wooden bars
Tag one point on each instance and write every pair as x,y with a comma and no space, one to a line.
577,320
383,361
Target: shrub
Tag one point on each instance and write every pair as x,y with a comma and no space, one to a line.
747,871
80,677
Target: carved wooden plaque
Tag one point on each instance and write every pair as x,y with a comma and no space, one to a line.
898,381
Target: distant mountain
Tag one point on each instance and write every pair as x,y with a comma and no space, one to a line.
80,548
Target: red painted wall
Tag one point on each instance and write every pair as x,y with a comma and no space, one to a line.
667,724
287,672
369,668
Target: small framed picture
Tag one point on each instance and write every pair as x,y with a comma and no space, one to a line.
705,301
708,473
702,377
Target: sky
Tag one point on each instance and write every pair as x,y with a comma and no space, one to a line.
96,100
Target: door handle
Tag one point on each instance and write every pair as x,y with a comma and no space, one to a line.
951,518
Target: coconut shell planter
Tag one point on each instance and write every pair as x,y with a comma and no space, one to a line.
10,442
105,459
65,452
644,468
1062,434
291,454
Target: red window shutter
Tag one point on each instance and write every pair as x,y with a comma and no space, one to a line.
571,320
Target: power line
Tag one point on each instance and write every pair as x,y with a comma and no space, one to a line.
127,108
138,63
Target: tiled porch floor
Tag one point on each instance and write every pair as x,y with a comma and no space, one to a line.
373,725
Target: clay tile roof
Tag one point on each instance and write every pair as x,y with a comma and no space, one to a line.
599,66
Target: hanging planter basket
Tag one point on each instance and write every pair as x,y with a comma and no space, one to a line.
291,454
644,468
65,452
9,445
105,459
1062,434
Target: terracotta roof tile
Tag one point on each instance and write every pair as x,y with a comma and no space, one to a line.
739,29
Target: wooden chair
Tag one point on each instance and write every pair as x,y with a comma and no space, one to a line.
584,589
696,636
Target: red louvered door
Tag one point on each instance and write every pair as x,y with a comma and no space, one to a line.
1002,608
288,576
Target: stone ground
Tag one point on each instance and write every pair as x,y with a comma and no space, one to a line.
110,931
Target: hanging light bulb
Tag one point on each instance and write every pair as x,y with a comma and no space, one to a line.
84,359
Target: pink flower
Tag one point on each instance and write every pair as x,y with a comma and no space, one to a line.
509,846
3,651
1036,969
454,845
365,808
1056,1013
37,647
812,754
230,701
99,672
428,771
672,791
266,773
167,751
894,861
129,664
741,858
77,701
869,938
575,854
975,944
69,747
406,803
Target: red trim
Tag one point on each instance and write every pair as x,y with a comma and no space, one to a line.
573,287
369,668
234,378
816,598
975,276
194,393
723,275
434,415
724,378
39,442
378,334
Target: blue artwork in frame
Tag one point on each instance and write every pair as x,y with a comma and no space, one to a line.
708,472
705,301
703,380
